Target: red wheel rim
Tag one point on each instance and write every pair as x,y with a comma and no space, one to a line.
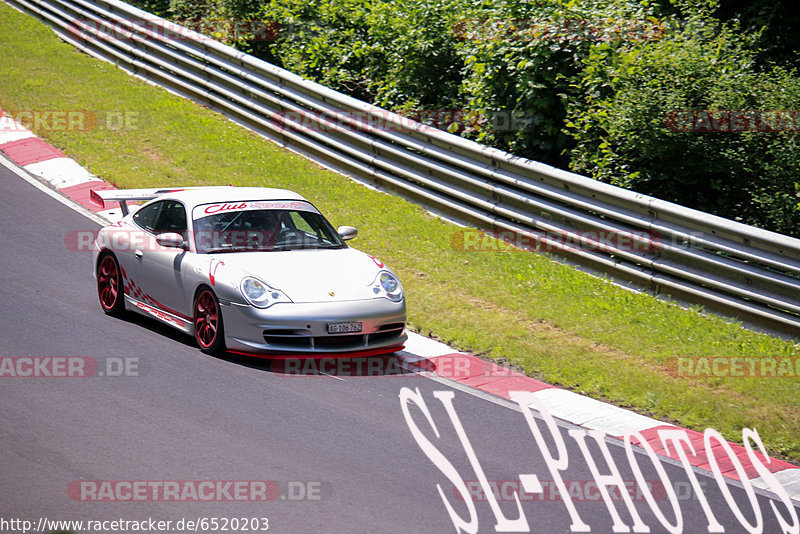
108,282
206,319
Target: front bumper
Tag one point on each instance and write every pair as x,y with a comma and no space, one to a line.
303,327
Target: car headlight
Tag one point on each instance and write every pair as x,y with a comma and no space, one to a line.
260,294
386,284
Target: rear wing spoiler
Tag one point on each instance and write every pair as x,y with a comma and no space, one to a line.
123,196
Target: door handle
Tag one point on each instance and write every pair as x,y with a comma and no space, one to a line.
139,254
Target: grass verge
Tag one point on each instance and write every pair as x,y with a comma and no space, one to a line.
554,322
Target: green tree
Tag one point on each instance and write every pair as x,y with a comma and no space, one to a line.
627,131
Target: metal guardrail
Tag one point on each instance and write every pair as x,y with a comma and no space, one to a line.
740,270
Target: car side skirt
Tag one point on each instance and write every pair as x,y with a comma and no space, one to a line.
148,310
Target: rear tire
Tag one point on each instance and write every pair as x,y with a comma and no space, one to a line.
109,286
208,330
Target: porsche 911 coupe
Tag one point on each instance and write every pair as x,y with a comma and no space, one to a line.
246,269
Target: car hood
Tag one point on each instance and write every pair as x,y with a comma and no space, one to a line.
310,275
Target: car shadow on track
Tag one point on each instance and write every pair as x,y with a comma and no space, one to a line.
157,327
396,364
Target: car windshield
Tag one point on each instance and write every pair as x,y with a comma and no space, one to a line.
258,226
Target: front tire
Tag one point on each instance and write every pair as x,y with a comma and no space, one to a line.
208,330
109,286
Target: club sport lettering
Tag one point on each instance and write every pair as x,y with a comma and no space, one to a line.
216,208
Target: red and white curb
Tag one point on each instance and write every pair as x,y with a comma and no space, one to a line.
596,415
49,164
65,175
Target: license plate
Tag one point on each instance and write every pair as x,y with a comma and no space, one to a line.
344,328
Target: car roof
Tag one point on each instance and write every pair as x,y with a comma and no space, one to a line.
195,197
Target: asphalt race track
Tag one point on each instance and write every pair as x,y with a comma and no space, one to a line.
180,415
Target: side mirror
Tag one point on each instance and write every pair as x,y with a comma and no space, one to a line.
347,232
170,240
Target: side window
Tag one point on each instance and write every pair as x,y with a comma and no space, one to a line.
172,218
146,217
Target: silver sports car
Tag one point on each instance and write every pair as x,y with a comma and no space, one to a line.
246,269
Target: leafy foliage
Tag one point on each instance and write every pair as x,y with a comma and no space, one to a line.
590,85
777,23
625,126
